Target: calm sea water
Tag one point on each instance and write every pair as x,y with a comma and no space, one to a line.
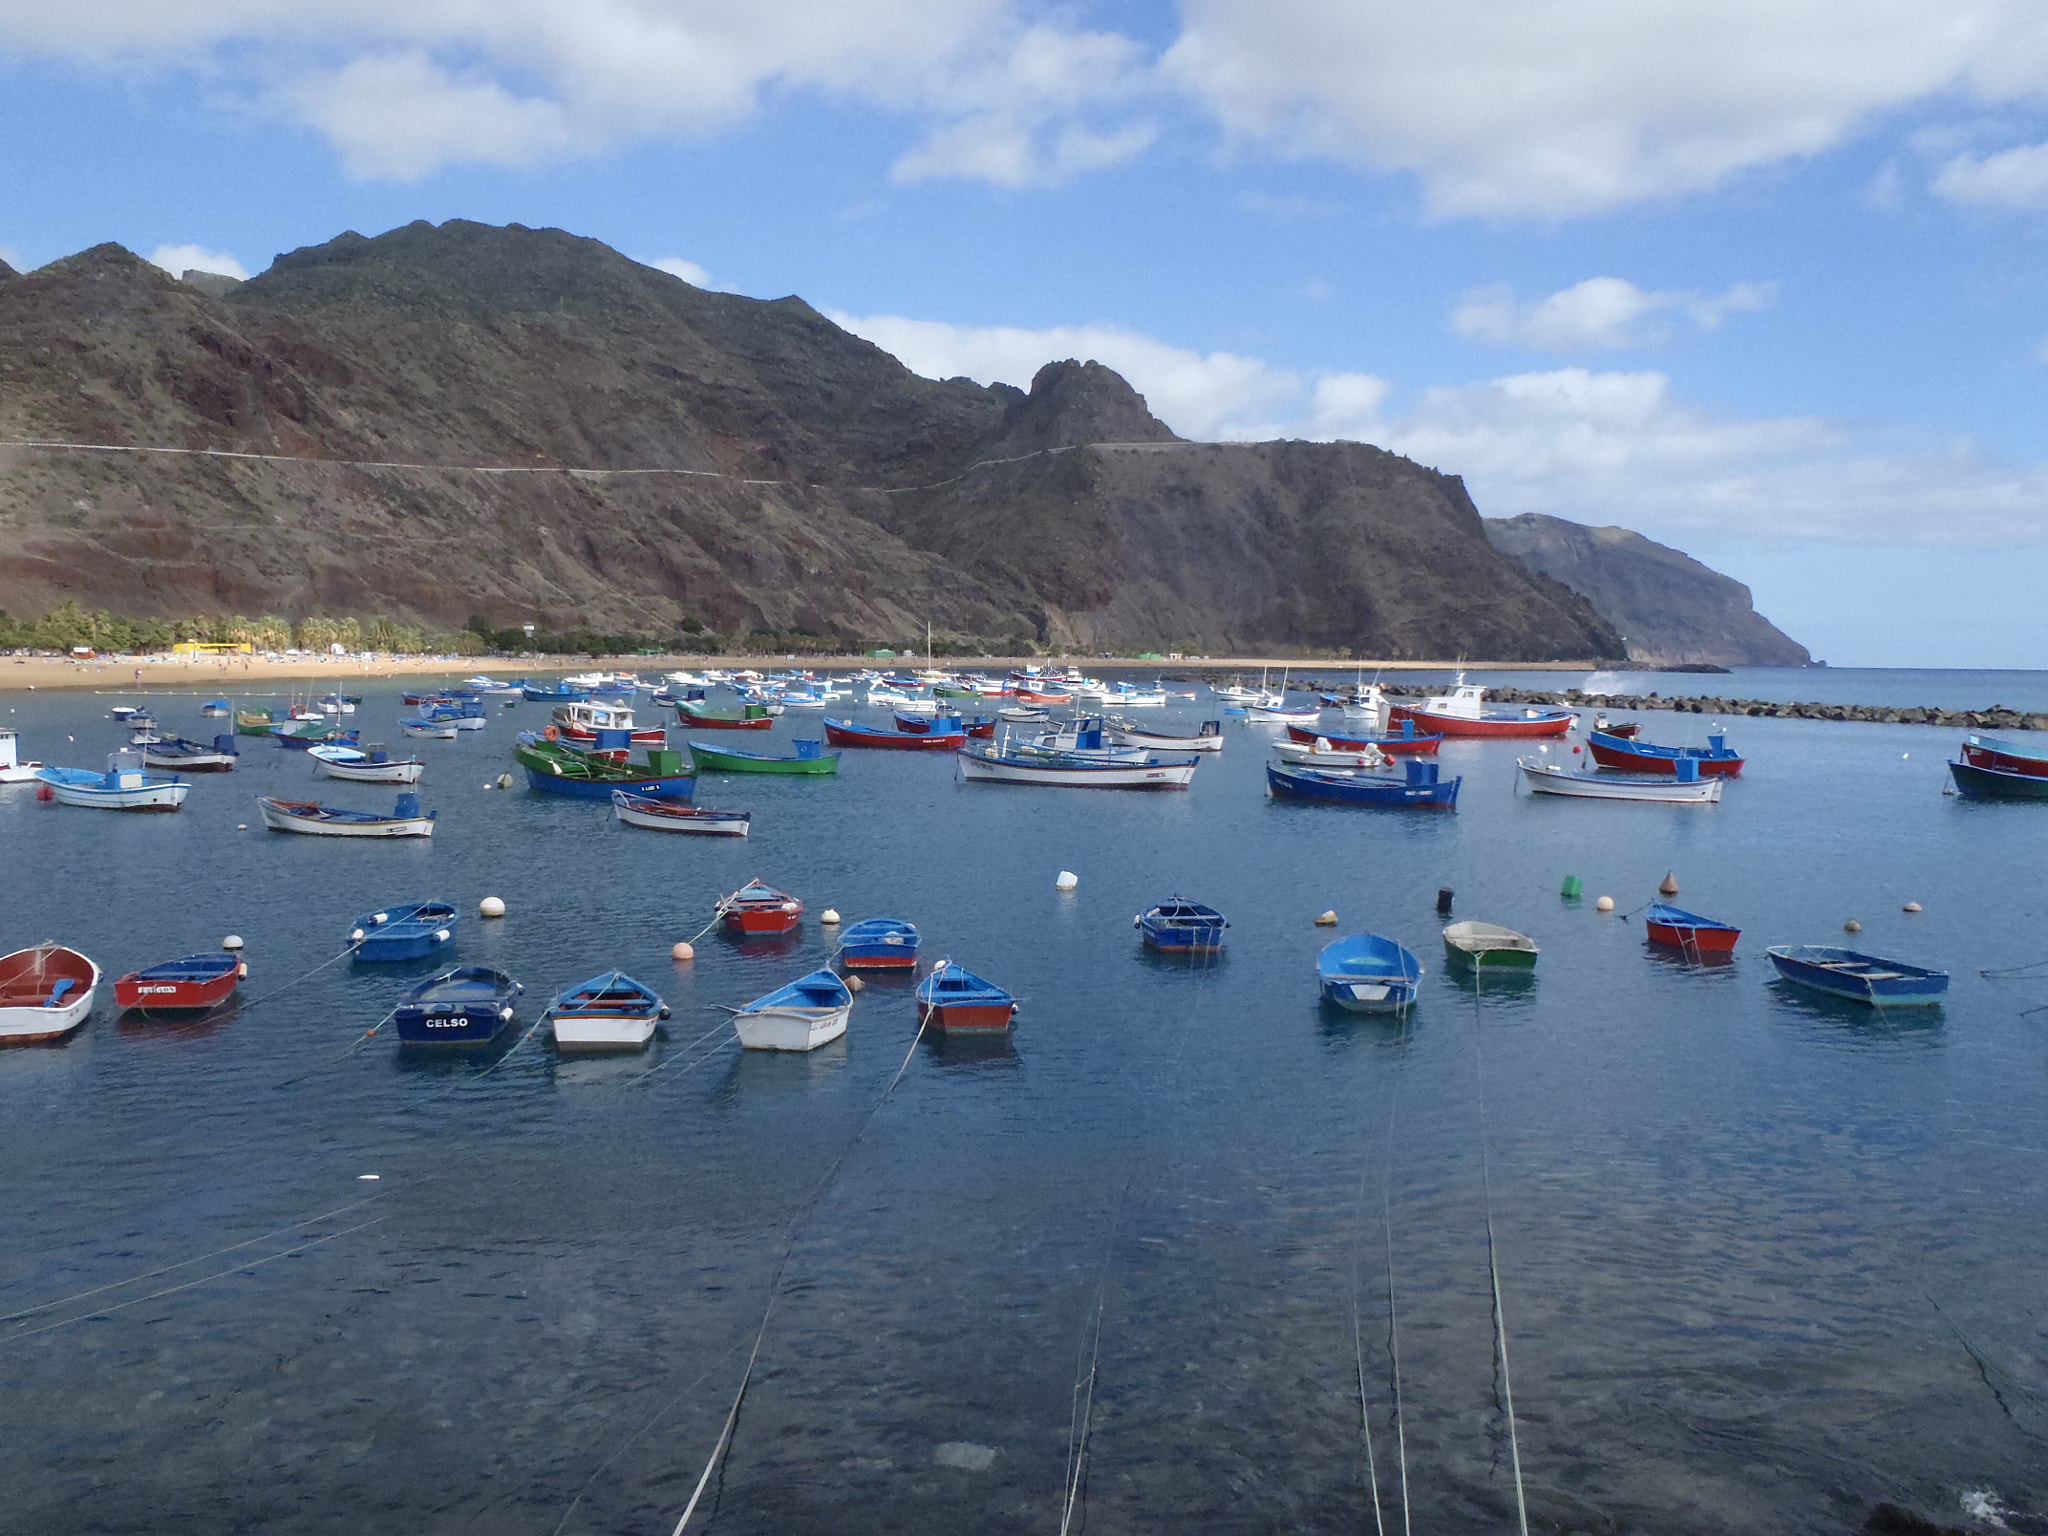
1764,1261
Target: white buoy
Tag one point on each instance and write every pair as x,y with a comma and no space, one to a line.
1911,906
355,935
241,826
829,917
1328,919
369,1178
491,906
1604,904
683,952
504,781
1067,880
854,983
232,941
1852,926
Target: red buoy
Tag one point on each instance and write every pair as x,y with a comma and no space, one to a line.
45,793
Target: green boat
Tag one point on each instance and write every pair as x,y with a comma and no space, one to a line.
561,770
254,722
752,717
1489,947
810,758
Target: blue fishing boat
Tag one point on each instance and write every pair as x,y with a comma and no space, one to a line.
308,734
1996,783
612,1012
1859,978
216,709
1716,758
1368,973
404,932
1178,926
123,787
1421,786
957,1001
879,944
554,693
465,1006
182,756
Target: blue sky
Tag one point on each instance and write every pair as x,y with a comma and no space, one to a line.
1763,281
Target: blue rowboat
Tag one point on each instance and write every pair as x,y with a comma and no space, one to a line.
957,1001
465,1006
1859,978
1716,758
403,932
1182,927
554,693
1421,786
1688,930
1368,973
811,1011
1996,783
879,944
612,1012
183,756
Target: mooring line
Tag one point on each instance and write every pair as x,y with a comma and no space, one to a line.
1500,1325
1372,1471
281,990
775,1280
361,1041
1080,1407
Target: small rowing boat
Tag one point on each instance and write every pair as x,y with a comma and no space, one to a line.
1177,926
1489,947
1635,756
191,985
1859,978
751,717
366,765
424,729
755,910
811,759
45,993
678,816
466,1006
1368,973
556,769
182,756
1406,742
957,1001
1209,738
1980,783
1422,787
1683,787
612,1012
879,944
1322,754
929,736
811,1011
1688,930
316,820
406,932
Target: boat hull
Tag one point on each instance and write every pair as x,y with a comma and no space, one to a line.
190,762
1369,994
1487,726
615,1032
403,771
2006,756
665,816
791,1029
976,768
755,923
845,733
1689,932
1875,981
280,816
1548,779
967,1018
1635,757
32,1012
1979,783
1483,947
717,760
1393,746
1362,789
474,1005
160,990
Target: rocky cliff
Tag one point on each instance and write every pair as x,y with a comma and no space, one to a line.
1669,607
441,422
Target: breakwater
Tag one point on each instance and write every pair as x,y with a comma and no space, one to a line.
1996,718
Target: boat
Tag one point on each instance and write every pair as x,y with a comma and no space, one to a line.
612,1012
997,764
1084,736
756,910
931,738
125,712
468,1005
943,722
1463,712
124,786
1996,783
879,944
1025,716
2004,756
959,1002
1321,754
560,770
308,734
484,684
810,758
191,985
1684,787
1281,714
1028,695
553,693
1406,742
1421,786
1628,730
337,704
215,709
1126,697
1368,973
1688,930
1635,756
318,820
462,714
673,816
1489,947
45,993
751,717
403,932
424,729
1208,738
1178,926
1859,978
12,769
254,722
583,724
176,752
811,1011
366,765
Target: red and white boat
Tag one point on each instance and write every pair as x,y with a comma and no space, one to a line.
755,910
1041,696
1463,712
45,993
191,985
579,723
957,1001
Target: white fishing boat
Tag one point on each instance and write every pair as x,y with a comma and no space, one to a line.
1320,754
429,730
371,765
45,993
1368,702
1669,789
809,1012
1085,736
331,821
990,764
1208,739
1024,715
676,816
1281,714
125,786
612,1012
12,769
1136,698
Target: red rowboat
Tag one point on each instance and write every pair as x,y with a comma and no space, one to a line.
2004,756
847,733
757,909
191,985
1688,930
1393,746
1034,696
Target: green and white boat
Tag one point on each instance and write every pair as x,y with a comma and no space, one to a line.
1489,947
254,722
811,758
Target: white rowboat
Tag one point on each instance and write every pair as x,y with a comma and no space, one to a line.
1551,779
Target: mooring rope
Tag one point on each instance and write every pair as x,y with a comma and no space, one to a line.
258,1002
1393,1313
361,1041
1500,1326
1081,1404
1372,1471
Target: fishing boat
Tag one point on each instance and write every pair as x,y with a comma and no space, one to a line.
811,758
957,1001
1282,714
307,734
1321,754
994,763
552,693
1406,742
175,752
944,722
811,1011
1422,786
932,738
405,932
1859,978
2004,756
12,769
468,1005
1463,712
1177,926
215,709
1996,783
1489,947
879,944
1028,695
612,1012
462,714
674,816
560,770
756,910
1030,715
581,725
191,985
337,704
423,729
1688,930
254,722
1635,756
366,765
126,712
124,786
1628,730
45,993
1684,787
1208,738
484,684
1368,973
751,717
317,820
1084,736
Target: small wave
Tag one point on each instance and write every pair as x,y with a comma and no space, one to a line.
1982,1505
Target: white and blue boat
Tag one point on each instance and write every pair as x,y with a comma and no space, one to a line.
318,820
1859,978
612,1012
554,693
366,765
180,755
421,727
1368,973
407,932
1421,786
1178,926
811,1011
879,944
216,709
466,1006
123,787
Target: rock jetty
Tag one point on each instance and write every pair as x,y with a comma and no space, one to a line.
1996,718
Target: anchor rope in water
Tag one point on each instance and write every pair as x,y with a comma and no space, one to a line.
775,1280
279,991
361,1041
1500,1325
1372,1471
1394,1315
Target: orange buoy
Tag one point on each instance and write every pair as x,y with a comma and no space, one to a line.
553,733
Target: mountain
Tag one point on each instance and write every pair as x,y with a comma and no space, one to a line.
1671,609
464,419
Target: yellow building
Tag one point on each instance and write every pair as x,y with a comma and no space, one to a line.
211,648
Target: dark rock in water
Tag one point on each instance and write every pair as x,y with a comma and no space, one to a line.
1890,1520
1696,666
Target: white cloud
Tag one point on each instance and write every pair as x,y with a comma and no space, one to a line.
12,257
1600,313
180,259
2014,178
688,271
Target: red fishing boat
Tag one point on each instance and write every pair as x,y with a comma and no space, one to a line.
2003,756
1716,759
848,733
1409,743
1039,696
1463,712
756,909
191,985
585,725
